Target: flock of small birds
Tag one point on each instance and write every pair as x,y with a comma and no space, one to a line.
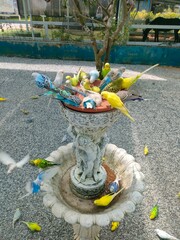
115,89
88,91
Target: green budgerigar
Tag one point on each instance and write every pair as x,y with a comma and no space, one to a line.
106,69
42,163
114,86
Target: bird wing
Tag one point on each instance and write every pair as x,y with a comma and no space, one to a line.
6,159
59,78
23,161
49,173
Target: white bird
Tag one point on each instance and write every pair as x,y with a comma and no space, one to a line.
11,163
164,235
58,79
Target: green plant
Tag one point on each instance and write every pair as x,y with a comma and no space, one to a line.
143,15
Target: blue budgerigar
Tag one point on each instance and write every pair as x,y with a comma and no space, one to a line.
34,187
43,81
106,80
71,99
89,103
64,96
112,76
114,186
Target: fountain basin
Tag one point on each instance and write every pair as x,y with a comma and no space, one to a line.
75,210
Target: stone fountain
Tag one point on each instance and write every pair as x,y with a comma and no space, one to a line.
83,175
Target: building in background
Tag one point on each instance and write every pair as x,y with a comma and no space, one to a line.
8,7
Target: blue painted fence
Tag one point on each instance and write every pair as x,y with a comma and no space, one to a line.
168,56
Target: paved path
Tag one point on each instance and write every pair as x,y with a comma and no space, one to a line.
40,132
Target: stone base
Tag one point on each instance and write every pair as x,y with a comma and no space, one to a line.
89,188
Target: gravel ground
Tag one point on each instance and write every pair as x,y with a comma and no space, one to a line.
41,131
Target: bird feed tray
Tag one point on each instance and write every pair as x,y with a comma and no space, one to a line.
104,107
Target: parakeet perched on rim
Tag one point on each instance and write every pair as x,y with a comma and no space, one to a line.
116,102
42,163
43,81
106,80
88,103
129,81
114,86
111,77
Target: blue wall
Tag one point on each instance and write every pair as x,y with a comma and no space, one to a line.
169,56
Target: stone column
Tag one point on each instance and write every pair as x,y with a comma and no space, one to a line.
88,131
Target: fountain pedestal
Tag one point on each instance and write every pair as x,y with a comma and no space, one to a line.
88,131
82,177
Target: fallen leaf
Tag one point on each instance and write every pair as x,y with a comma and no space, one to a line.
24,111
178,195
17,215
35,97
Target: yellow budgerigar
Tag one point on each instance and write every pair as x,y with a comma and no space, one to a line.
146,150
129,81
2,99
116,102
114,226
106,199
33,226
73,80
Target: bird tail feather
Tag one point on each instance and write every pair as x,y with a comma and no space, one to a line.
124,110
115,194
147,70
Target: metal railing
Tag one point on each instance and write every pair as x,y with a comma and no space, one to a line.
28,29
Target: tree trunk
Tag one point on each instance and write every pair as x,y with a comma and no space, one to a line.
99,64
107,53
